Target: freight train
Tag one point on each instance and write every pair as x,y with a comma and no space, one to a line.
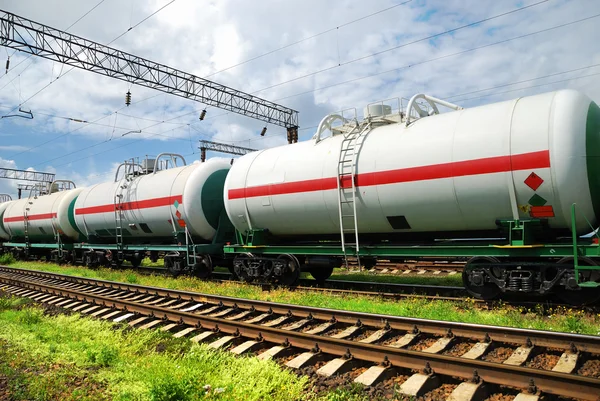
512,186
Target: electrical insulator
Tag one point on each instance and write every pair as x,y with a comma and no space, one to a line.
263,132
232,162
202,155
295,136
203,114
128,98
7,64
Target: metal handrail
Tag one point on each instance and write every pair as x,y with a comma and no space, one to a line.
432,101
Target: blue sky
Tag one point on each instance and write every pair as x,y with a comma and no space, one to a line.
209,36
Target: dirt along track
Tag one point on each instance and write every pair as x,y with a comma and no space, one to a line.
422,356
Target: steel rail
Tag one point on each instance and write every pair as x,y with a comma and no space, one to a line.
582,387
500,334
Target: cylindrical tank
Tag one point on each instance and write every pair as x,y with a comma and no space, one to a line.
458,171
39,217
157,204
3,234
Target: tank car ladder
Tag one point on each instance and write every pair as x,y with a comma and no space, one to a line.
351,144
119,218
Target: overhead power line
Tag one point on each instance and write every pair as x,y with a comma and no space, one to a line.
72,68
423,39
29,36
307,38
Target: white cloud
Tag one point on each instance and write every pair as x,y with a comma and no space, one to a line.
208,36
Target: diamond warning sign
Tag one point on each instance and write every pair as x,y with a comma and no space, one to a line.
533,181
537,200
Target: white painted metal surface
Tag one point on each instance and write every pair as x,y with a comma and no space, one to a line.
156,204
3,234
432,167
44,215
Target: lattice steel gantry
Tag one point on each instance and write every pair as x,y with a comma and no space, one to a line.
31,37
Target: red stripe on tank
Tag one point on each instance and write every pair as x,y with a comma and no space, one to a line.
31,217
135,205
488,165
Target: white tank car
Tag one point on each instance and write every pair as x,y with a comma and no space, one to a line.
456,171
5,202
157,202
39,217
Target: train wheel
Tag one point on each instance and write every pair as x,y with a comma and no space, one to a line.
582,295
136,259
291,273
203,267
174,265
321,274
480,290
238,272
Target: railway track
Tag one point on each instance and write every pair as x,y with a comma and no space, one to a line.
421,355
411,267
398,291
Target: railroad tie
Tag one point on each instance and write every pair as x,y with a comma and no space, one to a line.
477,350
101,312
567,362
154,302
419,384
66,301
259,318
123,317
54,301
221,342
203,336
374,375
337,366
151,324
527,397
297,325
347,332
519,356
439,346
111,315
90,309
81,306
376,336
239,316
223,312
278,350
191,308
467,391
405,340
244,347
168,327
138,321
278,321
165,304
184,332
72,304
208,310
323,327
304,359
181,305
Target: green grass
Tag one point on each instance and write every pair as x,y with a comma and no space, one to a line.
566,320
73,358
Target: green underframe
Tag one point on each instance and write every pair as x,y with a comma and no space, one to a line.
202,248
520,243
545,251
